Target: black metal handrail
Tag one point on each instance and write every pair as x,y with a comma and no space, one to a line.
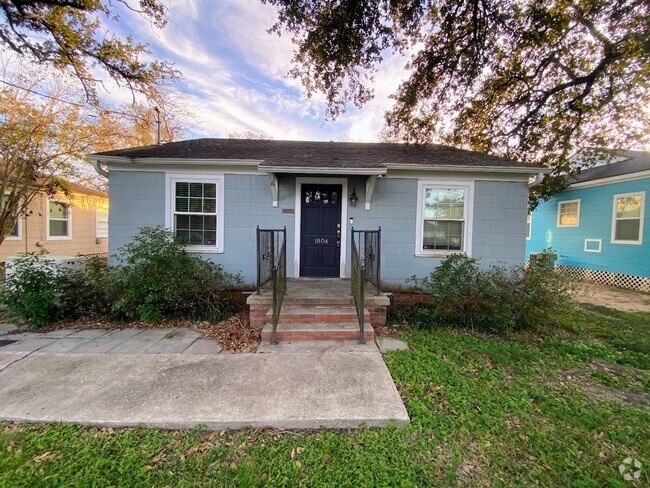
267,253
370,242
358,286
279,275
366,266
272,267
369,249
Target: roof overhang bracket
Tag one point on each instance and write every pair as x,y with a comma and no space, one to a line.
370,188
275,188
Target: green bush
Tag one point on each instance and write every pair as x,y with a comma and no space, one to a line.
32,291
89,292
156,279
497,299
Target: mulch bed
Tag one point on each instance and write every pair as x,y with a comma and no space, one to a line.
235,334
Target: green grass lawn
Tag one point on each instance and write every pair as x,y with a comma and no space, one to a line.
532,408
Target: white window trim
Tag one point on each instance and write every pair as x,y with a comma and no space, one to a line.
47,214
19,224
468,186
600,245
529,228
19,228
559,212
97,235
218,179
616,197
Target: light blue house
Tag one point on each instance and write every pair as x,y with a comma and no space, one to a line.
598,227
429,201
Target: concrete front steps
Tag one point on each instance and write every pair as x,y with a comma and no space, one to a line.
317,310
299,322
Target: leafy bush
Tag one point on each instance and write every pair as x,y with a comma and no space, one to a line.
89,292
498,299
157,279
33,289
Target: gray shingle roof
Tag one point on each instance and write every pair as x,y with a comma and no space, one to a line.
634,162
317,154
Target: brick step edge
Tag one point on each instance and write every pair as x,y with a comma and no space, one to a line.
318,335
319,319
314,317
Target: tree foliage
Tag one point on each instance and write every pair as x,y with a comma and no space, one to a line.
45,135
527,79
46,125
37,142
69,35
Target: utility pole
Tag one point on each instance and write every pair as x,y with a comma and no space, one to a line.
157,112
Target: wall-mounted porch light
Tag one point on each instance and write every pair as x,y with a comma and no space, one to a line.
354,199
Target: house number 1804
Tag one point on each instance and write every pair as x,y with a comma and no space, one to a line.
320,240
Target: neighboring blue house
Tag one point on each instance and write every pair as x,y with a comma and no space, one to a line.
598,227
429,200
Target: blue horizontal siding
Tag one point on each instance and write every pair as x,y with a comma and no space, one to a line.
498,230
138,199
596,211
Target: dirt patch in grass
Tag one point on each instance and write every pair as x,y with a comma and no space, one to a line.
613,297
599,392
610,382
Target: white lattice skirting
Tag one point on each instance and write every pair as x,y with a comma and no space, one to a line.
631,282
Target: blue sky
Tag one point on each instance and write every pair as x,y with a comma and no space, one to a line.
234,74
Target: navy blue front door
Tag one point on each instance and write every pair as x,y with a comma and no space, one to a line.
320,230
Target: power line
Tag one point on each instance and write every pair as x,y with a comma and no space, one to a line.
43,94
80,105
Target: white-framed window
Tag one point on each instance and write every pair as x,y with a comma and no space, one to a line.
568,213
444,218
101,224
59,220
529,226
593,245
16,231
195,210
627,218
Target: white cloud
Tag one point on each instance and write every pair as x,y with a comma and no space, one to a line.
235,74
365,125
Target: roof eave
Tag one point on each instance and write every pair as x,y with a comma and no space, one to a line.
636,175
134,160
472,168
321,169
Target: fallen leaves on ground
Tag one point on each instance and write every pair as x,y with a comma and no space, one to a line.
235,333
389,330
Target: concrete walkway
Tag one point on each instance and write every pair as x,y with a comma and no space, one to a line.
106,381
122,341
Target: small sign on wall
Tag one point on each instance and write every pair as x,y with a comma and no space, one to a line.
287,210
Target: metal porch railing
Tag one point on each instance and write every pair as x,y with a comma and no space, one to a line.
365,266
272,267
